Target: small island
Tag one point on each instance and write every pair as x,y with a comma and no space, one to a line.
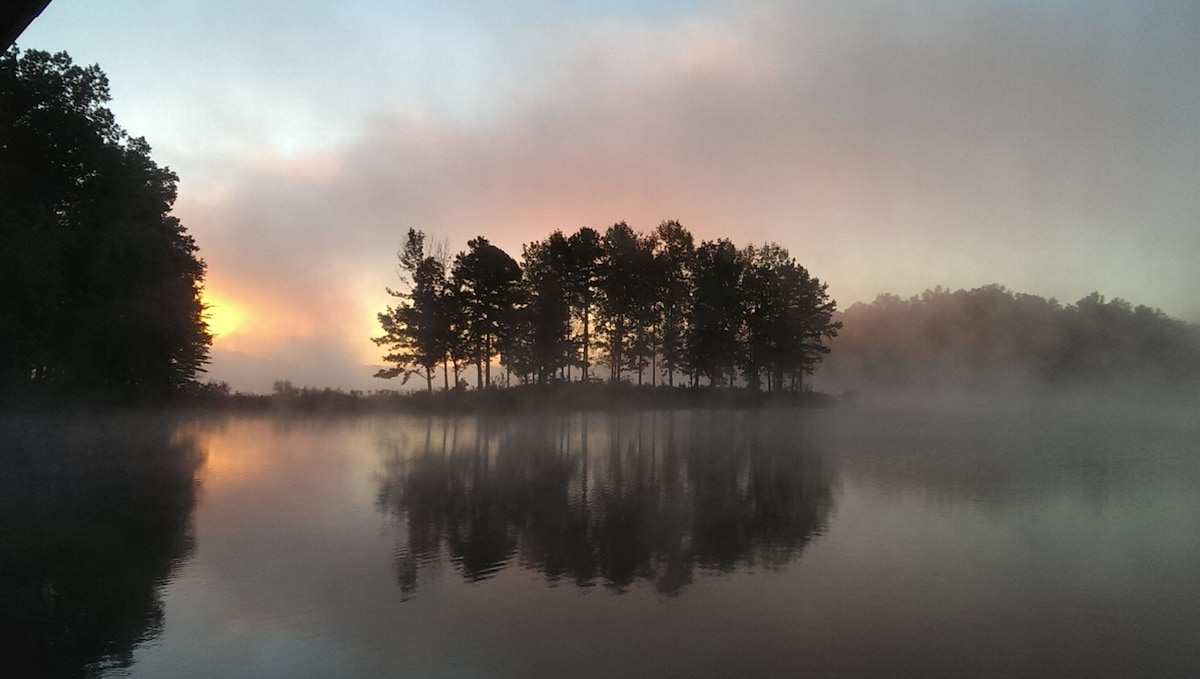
649,308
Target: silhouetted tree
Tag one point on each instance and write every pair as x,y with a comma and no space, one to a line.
417,331
807,323
645,308
705,311
715,320
547,271
487,280
676,253
101,284
458,337
582,284
766,333
618,282
624,270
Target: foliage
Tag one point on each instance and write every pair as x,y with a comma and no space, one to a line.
583,278
487,283
787,318
418,330
676,254
627,295
717,304
705,311
545,325
101,283
990,335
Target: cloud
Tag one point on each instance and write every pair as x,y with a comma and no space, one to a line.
315,362
890,151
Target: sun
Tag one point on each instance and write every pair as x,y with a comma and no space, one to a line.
223,316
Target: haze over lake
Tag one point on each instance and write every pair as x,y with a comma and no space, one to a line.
854,541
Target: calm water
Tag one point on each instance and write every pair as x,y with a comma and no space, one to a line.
847,542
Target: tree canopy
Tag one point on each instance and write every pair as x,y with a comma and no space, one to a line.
653,305
990,336
100,285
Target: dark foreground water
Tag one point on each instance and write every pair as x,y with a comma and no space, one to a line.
847,542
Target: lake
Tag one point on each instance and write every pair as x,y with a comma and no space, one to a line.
883,541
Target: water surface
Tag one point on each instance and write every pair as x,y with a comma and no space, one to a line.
845,542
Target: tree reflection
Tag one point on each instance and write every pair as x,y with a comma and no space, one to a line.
94,517
609,499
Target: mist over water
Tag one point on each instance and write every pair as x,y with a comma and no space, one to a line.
95,516
648,498
890,538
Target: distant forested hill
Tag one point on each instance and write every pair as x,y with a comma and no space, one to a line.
991,336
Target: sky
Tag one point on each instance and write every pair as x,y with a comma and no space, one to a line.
1050,146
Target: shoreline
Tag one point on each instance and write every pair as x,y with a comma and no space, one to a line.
559,397
522,398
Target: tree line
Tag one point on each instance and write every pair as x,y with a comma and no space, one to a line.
989,335
101,283
616,306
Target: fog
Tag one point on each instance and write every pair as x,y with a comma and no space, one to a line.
890,148
885,538
993,344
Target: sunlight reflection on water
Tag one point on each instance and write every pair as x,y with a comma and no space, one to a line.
848,542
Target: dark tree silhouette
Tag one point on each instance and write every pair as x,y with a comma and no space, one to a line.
101,284
704,311
547,269
488,286
417,331
765,311
716,311
787,318
622,272
583,279
676,256
645,336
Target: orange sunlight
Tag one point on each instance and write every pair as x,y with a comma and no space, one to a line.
223,463
224,317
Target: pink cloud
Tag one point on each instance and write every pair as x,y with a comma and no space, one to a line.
729,126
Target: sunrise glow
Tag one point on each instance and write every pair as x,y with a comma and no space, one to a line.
887,159
224,316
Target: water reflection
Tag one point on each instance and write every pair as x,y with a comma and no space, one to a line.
1008,457
94,517
605,498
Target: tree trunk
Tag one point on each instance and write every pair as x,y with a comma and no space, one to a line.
487,363
615,350
586,361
